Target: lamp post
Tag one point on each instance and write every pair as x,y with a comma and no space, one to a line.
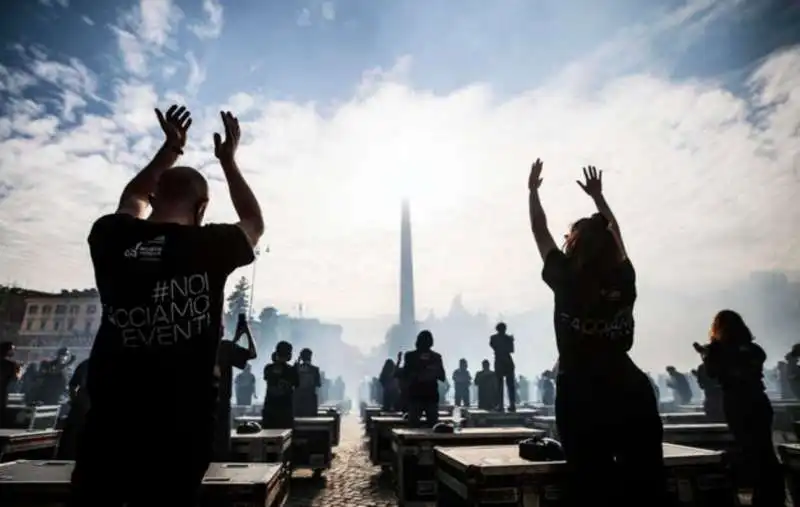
253,280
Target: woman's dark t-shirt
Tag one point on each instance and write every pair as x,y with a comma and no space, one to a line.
161,286
593,331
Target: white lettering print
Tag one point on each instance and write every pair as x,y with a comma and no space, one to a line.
179,312
621,325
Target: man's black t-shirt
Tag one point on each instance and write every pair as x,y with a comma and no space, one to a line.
503,347
8,373
245,384
229,356
282,379
161,288
594,331
423,370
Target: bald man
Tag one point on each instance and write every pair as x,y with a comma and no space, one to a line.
150,377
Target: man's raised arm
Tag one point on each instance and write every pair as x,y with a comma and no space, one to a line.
136,195
244,201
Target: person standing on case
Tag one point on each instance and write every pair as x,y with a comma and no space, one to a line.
229,355
306,402
503,346
423,370
161,280
281,378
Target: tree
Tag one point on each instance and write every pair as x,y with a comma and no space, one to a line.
238,303
239,299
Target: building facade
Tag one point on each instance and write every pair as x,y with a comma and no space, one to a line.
13,305
67,314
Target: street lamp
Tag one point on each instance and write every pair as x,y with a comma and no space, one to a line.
253,279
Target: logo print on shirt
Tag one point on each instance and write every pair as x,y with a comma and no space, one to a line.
180,310
147,250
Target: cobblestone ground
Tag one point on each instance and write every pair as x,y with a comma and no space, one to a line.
352,481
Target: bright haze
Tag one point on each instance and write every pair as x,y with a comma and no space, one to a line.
691,108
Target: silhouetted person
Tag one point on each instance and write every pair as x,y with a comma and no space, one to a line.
54,377
423,370
784,382
523,389
402,385
230,355
9,373
29,383
793,371
503,346
150,379
78,408
306,402
486,382
462,380
712,391
681,390
737,363
444,389
376,392
606,413
281,378
390,385
324,388
546,389
656,389
245,387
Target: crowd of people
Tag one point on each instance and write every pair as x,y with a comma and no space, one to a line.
161,278
487,387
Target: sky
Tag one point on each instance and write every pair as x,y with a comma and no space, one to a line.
691,108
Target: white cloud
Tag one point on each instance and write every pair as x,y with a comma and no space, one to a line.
133,52
690,170
212,27
304,17
51,3
89,21
144,30
328,183
134,106
197,74
156,20
328,11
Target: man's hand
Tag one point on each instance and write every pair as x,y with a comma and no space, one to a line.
225,150
535,178
594,181
175,125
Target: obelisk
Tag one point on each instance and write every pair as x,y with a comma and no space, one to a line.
401,336
407,313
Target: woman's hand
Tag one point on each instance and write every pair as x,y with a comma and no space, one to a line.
594,181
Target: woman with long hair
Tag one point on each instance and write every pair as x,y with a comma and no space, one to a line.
733,359
606,412
390,400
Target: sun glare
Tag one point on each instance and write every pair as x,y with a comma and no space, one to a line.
375,197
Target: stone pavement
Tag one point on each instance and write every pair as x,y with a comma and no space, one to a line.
352,481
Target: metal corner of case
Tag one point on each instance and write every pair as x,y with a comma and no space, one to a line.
472,472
